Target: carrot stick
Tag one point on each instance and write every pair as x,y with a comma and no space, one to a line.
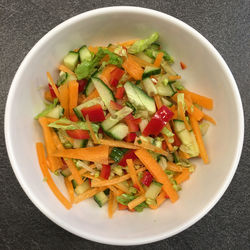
158,59
158,101
174,167
174,78
183,117
184,155
93,95
92,133
136,201
105,75
65,69
128,43
140,61
133,68
198,136
93,49
209,118
73,170
159,200
82,172
73,96
132,172
183,176
194,111
48,96
70,189
110,204
53,86
64,94
122,188
114,180
170,147
120,144
89,193
157,172
97,154
47,176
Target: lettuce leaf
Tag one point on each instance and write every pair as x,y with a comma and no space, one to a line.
140,207
47,109
124,199
143,44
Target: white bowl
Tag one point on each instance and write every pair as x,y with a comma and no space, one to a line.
206,73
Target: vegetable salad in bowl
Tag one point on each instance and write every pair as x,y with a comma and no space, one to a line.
120,127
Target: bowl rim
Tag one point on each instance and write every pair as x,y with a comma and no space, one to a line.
42,207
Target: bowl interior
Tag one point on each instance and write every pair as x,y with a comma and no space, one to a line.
206,74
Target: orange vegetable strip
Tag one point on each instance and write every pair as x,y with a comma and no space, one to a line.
105,75
111,204
82,171
92,133
128,43
93,49
114,180
133,175
183,176
53,86
136,201
158,101
194,111
157,172
64,95
75,173
48,96
47,176
209,118
70,189
97,154
198,136
93,95
140,61
169,145
183,117
159,200
158,59
133,68
174,167
65,69
89,193
120,144
184,155
73,96
122,188
173,78
203,101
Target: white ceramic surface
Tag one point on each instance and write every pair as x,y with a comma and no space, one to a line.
207,73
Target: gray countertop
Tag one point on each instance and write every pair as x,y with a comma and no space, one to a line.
226,24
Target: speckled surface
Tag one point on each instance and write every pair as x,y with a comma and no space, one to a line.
226,24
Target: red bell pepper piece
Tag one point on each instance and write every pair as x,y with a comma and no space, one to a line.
52,92
95,113
122,207
166,196
115,76
177,141
120,92
158,121
132,126
147,178
73,118
78,134
130,137
128,155
81,85
105,172
64,166
164,145
183,65
115,105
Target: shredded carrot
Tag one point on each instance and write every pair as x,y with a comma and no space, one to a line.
123,188
81,98
128,43
209,118
183,65
70,189
183,176
133,68
114,180
140,61
73,96
93,49
158,59
119,144
194,111
82,172
203,101
133,175
47,176
158,101
65,69
97,154
174,78
182,116
53,86
132,204
105,75
92,133
157,172
64,94
89,193
174,167
73,170
170,147
159,200
93,95
198,136
48,96
110,204
184,155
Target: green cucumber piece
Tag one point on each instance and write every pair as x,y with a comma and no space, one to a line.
71,60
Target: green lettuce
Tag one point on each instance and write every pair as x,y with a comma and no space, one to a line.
167,132
140,207
47,109
124,199
143,44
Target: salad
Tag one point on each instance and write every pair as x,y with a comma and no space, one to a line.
120,127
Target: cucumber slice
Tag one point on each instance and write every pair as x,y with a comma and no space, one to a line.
167,68
153,190
84,53
151,70
163,87
166,102
63,138
71,60
117,116
83,187
144,57
77,143
149,87
101,198
118,132
62,78
179,126
105,93
66,172
56,112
